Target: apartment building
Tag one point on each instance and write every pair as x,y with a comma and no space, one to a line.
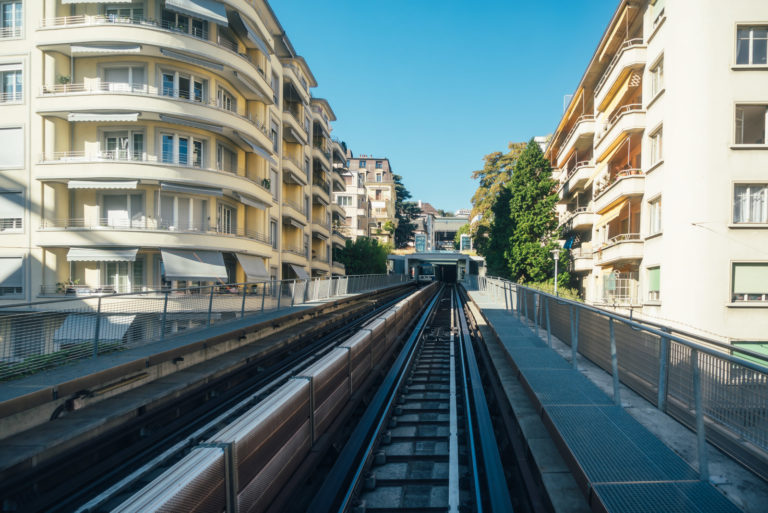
672,111
353,200
157,143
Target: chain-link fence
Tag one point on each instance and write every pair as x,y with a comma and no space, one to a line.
45,334
707,385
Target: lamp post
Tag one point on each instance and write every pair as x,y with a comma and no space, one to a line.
556,256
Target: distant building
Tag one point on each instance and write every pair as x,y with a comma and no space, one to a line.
353,200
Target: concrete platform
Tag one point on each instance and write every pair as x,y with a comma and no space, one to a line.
617,462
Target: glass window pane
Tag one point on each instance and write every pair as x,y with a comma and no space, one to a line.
742,51
166,212
183,150
168,84
184,215
167,148
759,47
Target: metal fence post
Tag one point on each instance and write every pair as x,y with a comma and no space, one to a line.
698,402
506,304
96,330
165,313
242,307
210,306
293,293
263,294
549,329
661,400
279,294
536,308
614,364
525,304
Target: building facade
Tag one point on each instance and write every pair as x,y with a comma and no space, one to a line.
657,121
158,143
353,200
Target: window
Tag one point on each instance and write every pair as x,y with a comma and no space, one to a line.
185,86
306,166
11,275
377,194
750,124
657,78
124,276
10,19
273,183
752,45
182,213
275,88
378,164
175,21
273,135
126,78
273,232
182,150
344,201
11,83
12,155
750,282
307,209
378,177
11,211
225,100
654,284
750,203
227,216
306,246
226,159
362,163
656,147
123,210
123,145
125,14
306,125
654,216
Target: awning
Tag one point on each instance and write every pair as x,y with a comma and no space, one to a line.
749,278
194,265
86,184
378,204
190,122
300,272
12,272
102,255
293,222
65,2
192,59
250,84
290,134
253,266
103,49
292,177
319,235
251,201
209,10
611,214
244,30
191,189
81,327
131,117
11,205
258,150
320,200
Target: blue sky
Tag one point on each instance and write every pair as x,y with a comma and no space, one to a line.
437,85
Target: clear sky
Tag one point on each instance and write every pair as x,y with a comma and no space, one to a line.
437,85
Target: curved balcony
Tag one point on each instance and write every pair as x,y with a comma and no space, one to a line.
630,55
292,172
339,153
294,256
294,211
338,210
78,165
320,192
338,268
575,178
320,265
337,183
338,239
105,96
626,183
157,40
580,219
320,231
292,121
582,130
626,120
621,248
292,73
323,156
147,232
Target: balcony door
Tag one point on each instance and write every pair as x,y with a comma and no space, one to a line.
128,14
123,210
227,216
125,79
123,145
124,276
184,86
183,213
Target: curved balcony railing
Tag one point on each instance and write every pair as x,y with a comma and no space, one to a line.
295,206
124,88
572,171
148,224
581,119
573,213
624,173
299,252
622,237
626,45
622,111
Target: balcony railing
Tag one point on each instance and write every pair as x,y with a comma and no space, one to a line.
622,237
9,32
124,88
622,111
581,119
572,171
297,207
567,216
149,224
12,97
626,45
582,252
600,188
295,162
294,251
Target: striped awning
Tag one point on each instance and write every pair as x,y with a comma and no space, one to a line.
209,10
191,189
87,184
102,254
86,117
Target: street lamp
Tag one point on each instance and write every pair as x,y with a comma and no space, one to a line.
556,256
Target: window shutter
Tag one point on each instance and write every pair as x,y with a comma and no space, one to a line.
750,278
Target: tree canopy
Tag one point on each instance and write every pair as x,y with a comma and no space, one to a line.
363,256
405,213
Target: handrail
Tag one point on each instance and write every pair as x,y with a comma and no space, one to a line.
298,208
621,111
620,175
626,45
12,97
622,237
581,119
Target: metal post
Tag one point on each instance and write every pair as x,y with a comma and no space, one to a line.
506,304
210,306
242,307
699,405
96,330
556,259
519,291
279,294
661,400
525,304
549,329
165,313
293,293
575,337
614,364
536,311
263,294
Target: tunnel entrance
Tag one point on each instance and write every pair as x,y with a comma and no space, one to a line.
446,273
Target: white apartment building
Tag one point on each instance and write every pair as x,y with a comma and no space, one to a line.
662,158
158,143
353,200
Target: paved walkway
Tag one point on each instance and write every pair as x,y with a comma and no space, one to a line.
619,462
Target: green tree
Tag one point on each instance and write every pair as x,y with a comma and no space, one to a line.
405,213
463,230
499,234
363,256
534,224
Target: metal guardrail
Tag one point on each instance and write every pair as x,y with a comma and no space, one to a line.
707,385
45,334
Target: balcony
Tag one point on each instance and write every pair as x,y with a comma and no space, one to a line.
573,179
338,210
582,218
338,268
621,248
292,171
292,73
294,211
294,256
630,55
625,184
159,40
292,120
582,258
583,129
337,183
319,152
625,120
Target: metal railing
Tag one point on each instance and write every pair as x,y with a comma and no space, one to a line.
295,206
9,32
626,45
611,181
704,384
45,334
12,97
631,108
579,121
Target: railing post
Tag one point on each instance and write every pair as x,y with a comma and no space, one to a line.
293,293
96,330
661,400
549,329
519,291
279,294
698,402
165,314
210,305
536,309
263,294
614,364
242,307
525,304
574,336
506,304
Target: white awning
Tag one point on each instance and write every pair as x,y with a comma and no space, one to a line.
103,49
258,150
190,122
209,10
130,117
300,272
191,189
194,265
191,59
81,327
378,204
251,201
85,184
253,266
245,30
12,272
102,255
